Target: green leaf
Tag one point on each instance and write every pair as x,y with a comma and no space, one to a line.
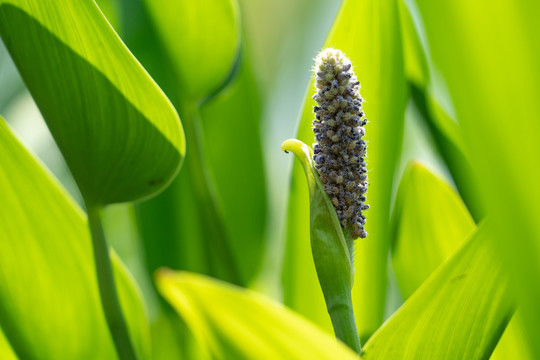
430,221
6,352
368,33
492,80
230,121
244,324
121,137
203,43
202,38
460,312
48,286
431,99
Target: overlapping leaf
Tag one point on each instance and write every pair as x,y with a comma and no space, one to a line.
48,286
221,188
431,99
460,312
491,78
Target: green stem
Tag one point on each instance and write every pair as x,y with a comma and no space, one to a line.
107,289
342,316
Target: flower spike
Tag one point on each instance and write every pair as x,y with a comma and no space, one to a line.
339,152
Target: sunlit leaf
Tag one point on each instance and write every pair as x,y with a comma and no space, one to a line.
492,80
460,312
48,286
6,352
430,222
244,324
368,33
120,135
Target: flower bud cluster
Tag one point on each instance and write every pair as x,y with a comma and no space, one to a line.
340,151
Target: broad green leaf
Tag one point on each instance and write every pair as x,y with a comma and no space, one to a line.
430,221
120,135
492,80
460,312
243,324
368,33
48,286
201,37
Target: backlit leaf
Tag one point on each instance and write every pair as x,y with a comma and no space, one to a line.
48,286
244,324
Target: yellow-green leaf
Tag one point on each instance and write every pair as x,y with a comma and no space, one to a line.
430,222
235,323
49,301
460,312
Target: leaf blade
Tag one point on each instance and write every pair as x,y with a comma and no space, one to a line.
47,257
459,312
107,115
252,325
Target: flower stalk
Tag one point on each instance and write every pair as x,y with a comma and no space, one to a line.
337,181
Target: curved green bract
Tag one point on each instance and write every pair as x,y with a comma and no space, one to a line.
460,312
48,286
244,324
331,249
119,134
202,38
328,242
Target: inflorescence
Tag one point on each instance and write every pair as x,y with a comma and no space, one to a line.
340,152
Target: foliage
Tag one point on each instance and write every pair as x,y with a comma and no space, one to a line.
453,247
